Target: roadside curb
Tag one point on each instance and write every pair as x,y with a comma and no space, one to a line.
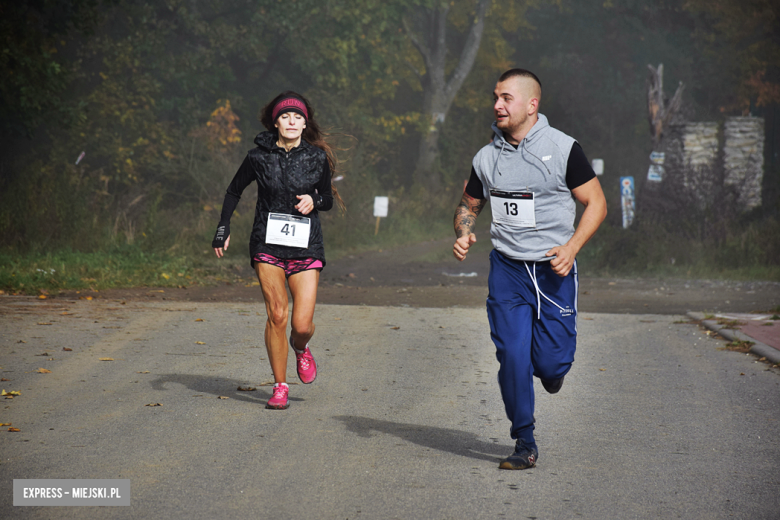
758,348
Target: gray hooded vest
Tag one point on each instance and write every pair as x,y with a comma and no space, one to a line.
533,176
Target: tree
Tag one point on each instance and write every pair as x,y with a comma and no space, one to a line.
661,111
428,34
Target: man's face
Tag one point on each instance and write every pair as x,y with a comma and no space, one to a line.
511,104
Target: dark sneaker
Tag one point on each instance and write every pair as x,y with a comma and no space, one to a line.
522,458
553,385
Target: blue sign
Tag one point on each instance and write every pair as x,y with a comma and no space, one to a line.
627,200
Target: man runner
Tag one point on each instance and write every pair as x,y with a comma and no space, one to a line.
532,174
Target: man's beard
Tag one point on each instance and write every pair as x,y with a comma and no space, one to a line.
513,124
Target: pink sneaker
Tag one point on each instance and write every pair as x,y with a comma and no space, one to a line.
307,367
279,400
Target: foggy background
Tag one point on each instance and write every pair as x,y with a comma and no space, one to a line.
162,98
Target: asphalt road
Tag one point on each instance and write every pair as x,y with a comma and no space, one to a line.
405,420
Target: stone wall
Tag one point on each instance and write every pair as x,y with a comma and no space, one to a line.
700,145
692,150
743,157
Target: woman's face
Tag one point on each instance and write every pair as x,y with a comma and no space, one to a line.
290,125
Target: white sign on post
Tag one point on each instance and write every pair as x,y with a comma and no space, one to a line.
598,166
656,171
380,206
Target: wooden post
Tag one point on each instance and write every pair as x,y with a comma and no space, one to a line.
376,230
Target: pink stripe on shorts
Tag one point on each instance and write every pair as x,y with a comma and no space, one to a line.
290,266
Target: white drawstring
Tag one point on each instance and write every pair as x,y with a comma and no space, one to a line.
495,165
539,292
525,148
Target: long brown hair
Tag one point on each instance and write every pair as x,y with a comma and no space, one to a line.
312,134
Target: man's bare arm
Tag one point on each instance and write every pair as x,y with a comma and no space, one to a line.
465,220
592,197
466,214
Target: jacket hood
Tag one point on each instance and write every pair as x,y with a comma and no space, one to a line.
532,135
266,140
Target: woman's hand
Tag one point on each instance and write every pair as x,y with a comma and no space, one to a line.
219,250
306,204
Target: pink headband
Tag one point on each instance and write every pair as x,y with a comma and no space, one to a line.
290,105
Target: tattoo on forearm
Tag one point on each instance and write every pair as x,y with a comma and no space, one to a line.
466,215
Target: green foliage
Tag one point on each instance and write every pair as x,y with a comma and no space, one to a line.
135,85
112,268
647,250
35,61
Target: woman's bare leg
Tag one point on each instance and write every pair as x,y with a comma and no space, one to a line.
303,287
272,281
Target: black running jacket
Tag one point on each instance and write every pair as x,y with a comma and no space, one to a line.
280,176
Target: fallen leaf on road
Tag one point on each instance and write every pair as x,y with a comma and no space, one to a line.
603,369
223,397
44,371
5,424
199,343
742,373
44,354
154,404
589,319
14,430
144,372
246,388
106,359
199,319
337,319
89,298
43,323
395,328
21,341
67,349
11,393
4,379
41,296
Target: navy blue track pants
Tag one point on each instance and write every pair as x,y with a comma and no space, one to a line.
533,323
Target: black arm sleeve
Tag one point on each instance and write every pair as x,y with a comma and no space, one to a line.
474,188
323,199
578,168
244,176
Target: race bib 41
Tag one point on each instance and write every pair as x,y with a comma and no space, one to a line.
287,230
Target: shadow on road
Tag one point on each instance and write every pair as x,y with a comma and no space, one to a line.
464,444
209,385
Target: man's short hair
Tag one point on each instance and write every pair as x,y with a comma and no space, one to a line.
522,73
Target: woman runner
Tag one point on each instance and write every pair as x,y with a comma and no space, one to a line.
292,166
